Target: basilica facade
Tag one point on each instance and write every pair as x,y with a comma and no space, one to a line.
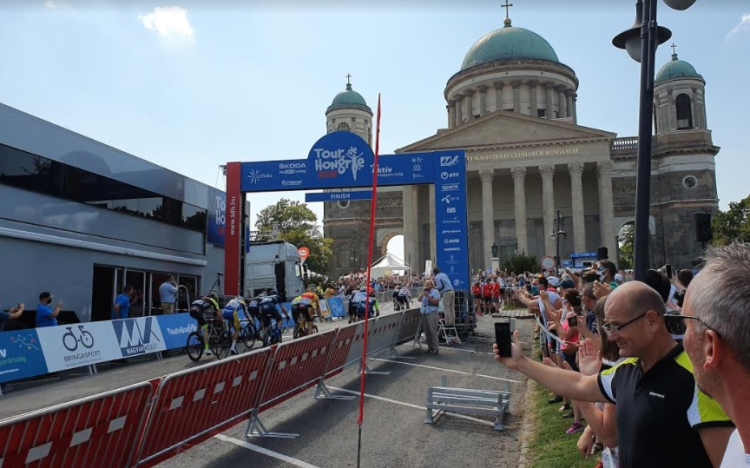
512,107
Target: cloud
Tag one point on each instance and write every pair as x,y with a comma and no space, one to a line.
168,22
744,25
51,5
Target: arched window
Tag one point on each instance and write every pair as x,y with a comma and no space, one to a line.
684,112
343,127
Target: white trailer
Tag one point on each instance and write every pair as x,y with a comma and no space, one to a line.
273,265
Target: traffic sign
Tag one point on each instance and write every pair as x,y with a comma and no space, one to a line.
304,252
548,262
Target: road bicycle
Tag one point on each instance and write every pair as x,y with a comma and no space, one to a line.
273,336
219,341
70,340
300,328
248,333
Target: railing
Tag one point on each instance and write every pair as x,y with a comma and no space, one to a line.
627,144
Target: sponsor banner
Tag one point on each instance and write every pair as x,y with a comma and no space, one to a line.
266,176
340,159
21,355
175,329
82,344
336,306
324,309
233,229
217,220
137,336
337,196
451,217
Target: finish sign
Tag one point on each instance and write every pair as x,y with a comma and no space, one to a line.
303,252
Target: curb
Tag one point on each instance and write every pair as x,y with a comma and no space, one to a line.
528,428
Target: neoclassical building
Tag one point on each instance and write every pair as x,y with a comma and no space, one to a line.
512,107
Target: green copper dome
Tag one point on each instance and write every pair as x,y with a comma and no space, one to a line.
676,69
349,99
509,43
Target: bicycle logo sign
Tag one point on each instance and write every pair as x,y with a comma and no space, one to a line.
71,341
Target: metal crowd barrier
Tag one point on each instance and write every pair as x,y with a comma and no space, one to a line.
144,424
100,430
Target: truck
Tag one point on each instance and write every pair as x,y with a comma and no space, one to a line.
273,265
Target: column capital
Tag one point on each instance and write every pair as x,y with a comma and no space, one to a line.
486,175
482,88
499,85
518,172
516,84
547,171
575,168
533,83
457,96
604,168
549,85
562,88
570,93
451,102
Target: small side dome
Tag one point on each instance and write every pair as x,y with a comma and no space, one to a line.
349,99
676,69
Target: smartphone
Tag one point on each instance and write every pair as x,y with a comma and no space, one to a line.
669,271
503,338
572,320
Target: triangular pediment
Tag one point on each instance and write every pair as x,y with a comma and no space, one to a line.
502,128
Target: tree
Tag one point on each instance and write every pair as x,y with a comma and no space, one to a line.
295,223
521,263
627,247
733,224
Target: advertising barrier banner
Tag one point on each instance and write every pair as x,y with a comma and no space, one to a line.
70,346
20,355
324,309
450,218
137,336
175,329
337,307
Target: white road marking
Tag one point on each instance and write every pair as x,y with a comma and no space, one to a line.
264,451
448,370
410,405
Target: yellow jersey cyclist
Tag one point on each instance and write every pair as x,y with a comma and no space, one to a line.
204,309
235,312
301,306
314,302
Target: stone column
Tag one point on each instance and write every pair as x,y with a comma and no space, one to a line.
569,102
579,225
451,113
575,107
550,101
499,96
533,98
517,97
482,100
488,214
606,207
519,197
548,199
469,104
410,224
563,102
459,110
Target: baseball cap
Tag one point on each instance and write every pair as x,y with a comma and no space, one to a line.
553,281
45,295
567,283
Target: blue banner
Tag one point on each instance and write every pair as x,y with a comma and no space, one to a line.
451,218
336,306
337,196
340,159
175,329
21,355
217,220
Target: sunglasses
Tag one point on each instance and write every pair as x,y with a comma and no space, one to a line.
676,324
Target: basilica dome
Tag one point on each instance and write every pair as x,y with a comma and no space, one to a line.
509,43
349,99
676,69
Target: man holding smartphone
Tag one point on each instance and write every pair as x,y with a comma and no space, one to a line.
430,300
46,316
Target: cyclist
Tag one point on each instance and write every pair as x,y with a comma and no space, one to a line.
268,309
315,304
374,308
204,309
356,297
253,310
301,306
233,312
404,297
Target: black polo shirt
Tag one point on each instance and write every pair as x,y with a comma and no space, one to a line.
659,412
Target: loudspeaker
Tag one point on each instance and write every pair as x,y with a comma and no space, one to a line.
703,227
601,253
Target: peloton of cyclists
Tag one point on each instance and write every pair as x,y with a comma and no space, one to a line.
204,309
374,307
356,297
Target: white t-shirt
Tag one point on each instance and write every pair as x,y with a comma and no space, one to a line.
552,298
735,453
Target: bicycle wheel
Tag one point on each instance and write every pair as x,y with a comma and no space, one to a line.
297,332
194,346
220,344
247,336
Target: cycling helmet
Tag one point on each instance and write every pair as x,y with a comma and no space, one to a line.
274,292
214,297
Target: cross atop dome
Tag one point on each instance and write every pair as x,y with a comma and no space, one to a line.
348,76
674,51
507,6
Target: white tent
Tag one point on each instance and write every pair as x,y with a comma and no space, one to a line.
389,263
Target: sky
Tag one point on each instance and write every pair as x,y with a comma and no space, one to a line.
193,84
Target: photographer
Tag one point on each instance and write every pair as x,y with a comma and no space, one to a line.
430,300
8,320
46,316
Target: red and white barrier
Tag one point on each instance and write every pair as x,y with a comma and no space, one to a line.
355,351
409,325
192,405
340,348
383,333
101,430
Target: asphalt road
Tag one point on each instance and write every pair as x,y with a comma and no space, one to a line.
393,433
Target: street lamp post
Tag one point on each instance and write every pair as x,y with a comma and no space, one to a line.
557,232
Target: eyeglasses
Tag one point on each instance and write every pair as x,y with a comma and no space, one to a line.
609,328
676,323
